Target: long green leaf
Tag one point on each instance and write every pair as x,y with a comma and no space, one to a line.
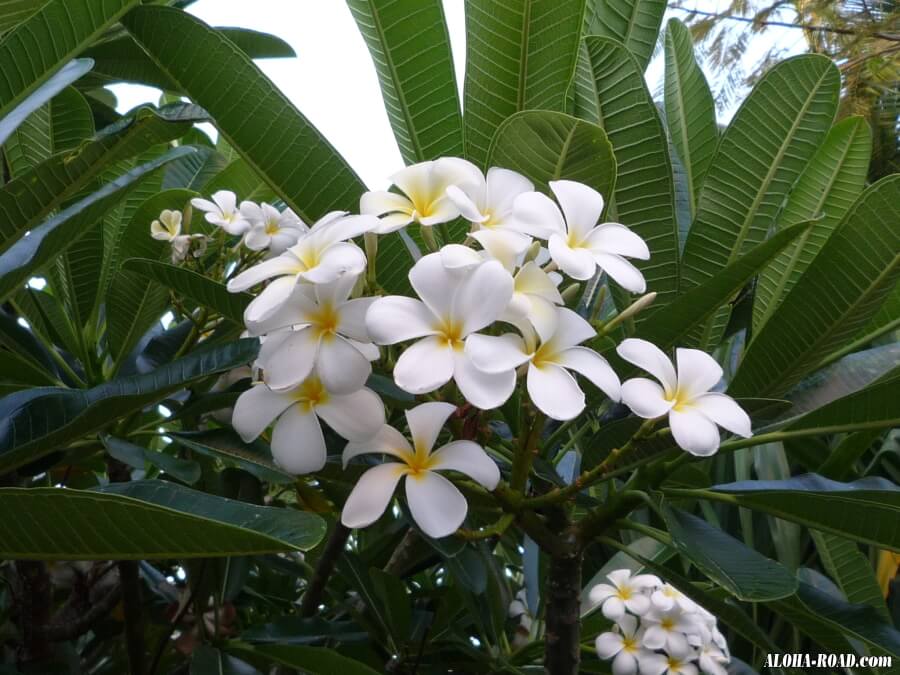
135,456
145,520
14,12
261,123
311,660
202,290
644,198
851,570
634,23
690,111
839,293
825,191
35,49
410,48
37,422
227,447
761,155
520,55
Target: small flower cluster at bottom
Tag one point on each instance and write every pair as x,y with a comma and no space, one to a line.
657,630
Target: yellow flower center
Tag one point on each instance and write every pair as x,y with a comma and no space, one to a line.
419,462
629,644
272,228
544,356
311,394
325,322
680,400
451,334
667,624
307,255
674,664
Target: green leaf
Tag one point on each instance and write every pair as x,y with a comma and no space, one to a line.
311,660
866,510
644,197
740,570
26,257
14,12
144,520
851,570
49,38
825,191
225,445
137,457
410,48
520,55
690,111
36,422
261,123
240,178
762,153
634,23
29,199
839,293
202,290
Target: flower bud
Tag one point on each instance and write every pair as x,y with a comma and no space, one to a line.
570,292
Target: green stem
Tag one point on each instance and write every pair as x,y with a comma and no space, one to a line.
775,436
525,456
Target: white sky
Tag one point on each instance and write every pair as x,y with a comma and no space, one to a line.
333,82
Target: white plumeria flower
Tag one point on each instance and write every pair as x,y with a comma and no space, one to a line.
577,244
623,645
328,333
180,247
711,659
436,505
320,256
685,396
223,212
667,596
550,385
668,629
424,199
453,305
168,227
676,662
535,299
627,591
270,228
298,445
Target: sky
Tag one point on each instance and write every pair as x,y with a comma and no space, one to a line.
333,82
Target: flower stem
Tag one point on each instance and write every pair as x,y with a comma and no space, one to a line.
525,456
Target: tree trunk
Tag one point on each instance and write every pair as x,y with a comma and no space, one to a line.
563,630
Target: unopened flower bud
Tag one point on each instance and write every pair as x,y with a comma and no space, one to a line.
532,252
570,292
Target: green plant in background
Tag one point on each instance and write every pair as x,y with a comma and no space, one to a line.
154,524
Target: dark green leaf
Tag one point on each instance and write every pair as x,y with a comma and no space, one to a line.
225,445
851,570
634,23
135,456
311,660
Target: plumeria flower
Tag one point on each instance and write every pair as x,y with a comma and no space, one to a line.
535,299
668,629
325,331
577,244
223,212
711,659
550,385
424,197
298,445
685,396
436,505
320,256
168,227
627,591
623,645
453,305
676,662
270,228
667,596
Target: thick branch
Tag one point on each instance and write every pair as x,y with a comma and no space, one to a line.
34,596
563,629
312,598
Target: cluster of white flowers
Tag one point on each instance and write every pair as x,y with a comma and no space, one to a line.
168,228
657,629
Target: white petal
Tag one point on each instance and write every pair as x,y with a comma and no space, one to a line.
582,206
256,238
555,392
457,257
371,495
503,186
387,440
496,353
396,319
353,319
503,245
467,208
617,239
724,411
622,272
456,171
694,432
651,663
355,416
655,637
204,205
651,358
531,279
483,390
288,359
415,180
613,608
608,645
442,210
482,297
285,264
578,263
434,284
424,366
594,367
256,408
638,604
335,293
226,201
270,300
392,222
435,504
298,446
645,398
571,329
698,372
601,592
469,458
379,202
337,259
543,316
345,228
538,215
341,367
426,421
624,664
298,309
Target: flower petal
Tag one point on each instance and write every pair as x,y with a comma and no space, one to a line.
341,366
426,421
467,208
335,293
434,284
355,416
353,319
698,372
645,398
392,222
344,228
459,257
538,215
581,204
555,392
337,259
273,296
651,358
256,238
694,432
571,329
298,445
387,440
469,458
435,504
496,353
226,200
298,309
396,319
617,239
543,316
531,279
442,210
651,663
578,263
622,272
625,663
613,608
483,390
371,494
288,358
594,367
424,366
256,408
724,411
482,297
503,245
285,264
380,202
503,186
608,645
